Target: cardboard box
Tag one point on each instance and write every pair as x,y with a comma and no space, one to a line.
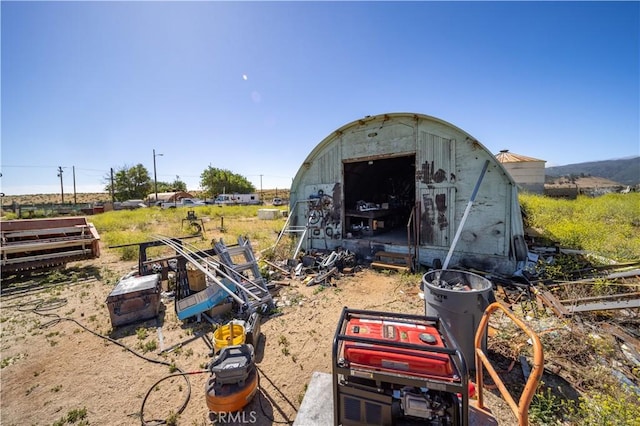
134,299
220,310
197,281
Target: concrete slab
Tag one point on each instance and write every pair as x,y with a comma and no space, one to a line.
269,214
480,416
317,405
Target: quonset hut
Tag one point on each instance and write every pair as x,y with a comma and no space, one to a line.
401,183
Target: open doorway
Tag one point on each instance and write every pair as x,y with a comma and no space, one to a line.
379,194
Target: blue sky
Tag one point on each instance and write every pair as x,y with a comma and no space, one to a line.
253,87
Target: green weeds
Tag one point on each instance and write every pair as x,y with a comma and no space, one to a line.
608,226
75,416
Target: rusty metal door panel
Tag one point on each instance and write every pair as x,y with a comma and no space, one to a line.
437,224
435,159
435,188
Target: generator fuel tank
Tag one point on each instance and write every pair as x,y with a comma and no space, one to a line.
393,357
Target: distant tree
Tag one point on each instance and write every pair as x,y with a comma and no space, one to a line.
176,185
216,181
130,183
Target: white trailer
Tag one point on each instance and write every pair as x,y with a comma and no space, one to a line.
237,199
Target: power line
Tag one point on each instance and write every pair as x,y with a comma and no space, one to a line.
26,167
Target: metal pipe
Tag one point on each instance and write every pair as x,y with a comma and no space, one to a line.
464,216
187,256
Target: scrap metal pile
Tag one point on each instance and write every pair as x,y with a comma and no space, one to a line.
39,244
213,284
315,267
598,301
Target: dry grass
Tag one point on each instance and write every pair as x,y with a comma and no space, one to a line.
93,197
89,197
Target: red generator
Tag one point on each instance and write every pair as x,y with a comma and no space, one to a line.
397,369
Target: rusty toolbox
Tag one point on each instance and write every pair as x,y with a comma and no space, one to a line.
134,298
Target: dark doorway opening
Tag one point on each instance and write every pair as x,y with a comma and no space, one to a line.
379,194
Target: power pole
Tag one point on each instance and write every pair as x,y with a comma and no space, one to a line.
75,201
61,186
155,176
113,196
260,187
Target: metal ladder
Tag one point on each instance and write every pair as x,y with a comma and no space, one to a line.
288,228
247,272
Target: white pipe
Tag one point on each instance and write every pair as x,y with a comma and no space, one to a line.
181,251
464,216
187,254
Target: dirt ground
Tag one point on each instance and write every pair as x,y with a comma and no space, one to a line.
54,368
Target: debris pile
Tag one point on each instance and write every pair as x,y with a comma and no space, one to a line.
458,286
315,267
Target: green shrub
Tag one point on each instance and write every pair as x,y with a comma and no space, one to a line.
618,405
608,225
545,407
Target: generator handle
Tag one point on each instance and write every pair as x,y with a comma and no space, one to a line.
446,335
520,409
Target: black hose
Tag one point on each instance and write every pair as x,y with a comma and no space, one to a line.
181,373
39,306
271,419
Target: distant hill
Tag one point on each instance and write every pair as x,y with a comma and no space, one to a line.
624,171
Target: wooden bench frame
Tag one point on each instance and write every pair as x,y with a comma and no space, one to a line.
380,263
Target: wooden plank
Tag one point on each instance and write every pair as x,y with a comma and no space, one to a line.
381,256
43,245
605,306
601,298
284,271
51,256
380,265
285,283
552,302
77,229
36,224
622,335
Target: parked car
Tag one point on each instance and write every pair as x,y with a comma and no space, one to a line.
184,202
277,201
129,205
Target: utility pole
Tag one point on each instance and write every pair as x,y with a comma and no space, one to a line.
261,188
75,201
61,185
1,196
113,194
155,178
